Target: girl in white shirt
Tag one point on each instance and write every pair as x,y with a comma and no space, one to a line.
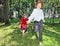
38,17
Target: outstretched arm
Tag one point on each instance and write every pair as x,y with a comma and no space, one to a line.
43,16
31,16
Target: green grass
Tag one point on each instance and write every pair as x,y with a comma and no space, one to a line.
11,35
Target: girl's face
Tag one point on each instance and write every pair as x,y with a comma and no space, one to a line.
39,5
25,16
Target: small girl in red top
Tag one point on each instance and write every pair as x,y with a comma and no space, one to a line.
24,24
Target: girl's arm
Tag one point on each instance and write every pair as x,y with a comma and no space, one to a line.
31,16
43,16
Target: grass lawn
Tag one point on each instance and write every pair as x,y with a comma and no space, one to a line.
11,35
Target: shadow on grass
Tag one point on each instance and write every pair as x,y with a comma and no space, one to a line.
52,34
2,25
19,39
52,24
56,26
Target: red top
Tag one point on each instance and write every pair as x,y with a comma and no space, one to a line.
24,21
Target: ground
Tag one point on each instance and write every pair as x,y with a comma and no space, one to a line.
10,35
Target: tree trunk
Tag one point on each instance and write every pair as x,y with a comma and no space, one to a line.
1,11
6,17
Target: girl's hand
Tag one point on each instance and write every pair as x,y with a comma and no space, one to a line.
20,26
28,22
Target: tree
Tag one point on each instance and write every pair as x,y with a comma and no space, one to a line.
1,11
6,17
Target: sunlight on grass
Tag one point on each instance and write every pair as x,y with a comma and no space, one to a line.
33,37
11,35
6,31
50,29
1,23
13,43
49,41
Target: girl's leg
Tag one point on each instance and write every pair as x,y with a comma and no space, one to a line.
40,32
36,29
23,32
40,35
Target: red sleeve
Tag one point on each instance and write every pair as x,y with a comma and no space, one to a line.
26,19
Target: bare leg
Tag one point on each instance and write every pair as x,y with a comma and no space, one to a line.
23,32
40,44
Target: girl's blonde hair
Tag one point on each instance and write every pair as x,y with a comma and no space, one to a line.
25,14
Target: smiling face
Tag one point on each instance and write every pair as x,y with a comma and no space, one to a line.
25,15
39,4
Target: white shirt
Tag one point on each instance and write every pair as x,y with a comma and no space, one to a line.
37,15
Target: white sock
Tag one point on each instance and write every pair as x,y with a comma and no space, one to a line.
23,32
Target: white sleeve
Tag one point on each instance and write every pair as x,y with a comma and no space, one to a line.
43,16
31,16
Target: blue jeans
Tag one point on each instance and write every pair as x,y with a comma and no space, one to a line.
38,27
